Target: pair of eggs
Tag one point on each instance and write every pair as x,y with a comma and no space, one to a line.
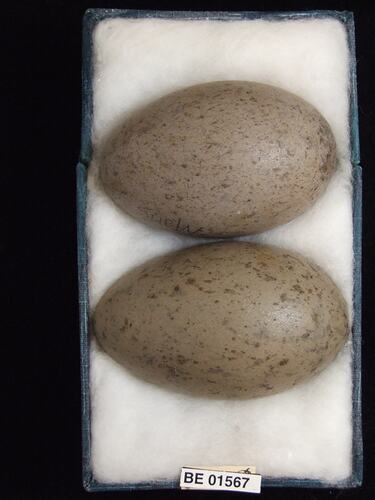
228,319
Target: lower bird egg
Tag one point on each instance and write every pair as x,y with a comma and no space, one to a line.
224,320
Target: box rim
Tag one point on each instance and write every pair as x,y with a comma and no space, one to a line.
91,18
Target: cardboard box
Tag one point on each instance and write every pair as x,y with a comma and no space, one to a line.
92,18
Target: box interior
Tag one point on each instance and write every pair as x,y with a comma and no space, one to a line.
305,432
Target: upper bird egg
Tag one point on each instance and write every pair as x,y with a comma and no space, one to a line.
220,159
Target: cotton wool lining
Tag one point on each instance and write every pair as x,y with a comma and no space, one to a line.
142,432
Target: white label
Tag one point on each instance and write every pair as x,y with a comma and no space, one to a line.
204,479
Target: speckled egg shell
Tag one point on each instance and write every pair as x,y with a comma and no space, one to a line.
220,159
227,320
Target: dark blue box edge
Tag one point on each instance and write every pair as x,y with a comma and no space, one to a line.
91,19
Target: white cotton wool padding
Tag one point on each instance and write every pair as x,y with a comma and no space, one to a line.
142,432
